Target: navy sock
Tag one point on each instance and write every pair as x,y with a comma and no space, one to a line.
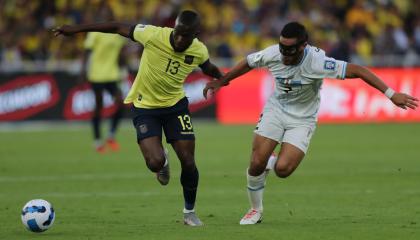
189,181
96,126
116,119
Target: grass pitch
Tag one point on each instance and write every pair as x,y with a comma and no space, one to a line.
356,182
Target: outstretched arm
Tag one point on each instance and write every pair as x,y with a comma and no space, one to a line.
402,100
211,70
241,68
108,27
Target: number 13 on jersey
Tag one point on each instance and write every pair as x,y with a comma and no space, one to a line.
172,66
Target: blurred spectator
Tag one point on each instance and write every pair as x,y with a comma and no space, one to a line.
356,29
417,35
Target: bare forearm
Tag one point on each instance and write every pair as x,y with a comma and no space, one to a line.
356,71
241,68
213,71
401,100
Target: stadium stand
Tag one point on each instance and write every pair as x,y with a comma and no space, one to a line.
371,32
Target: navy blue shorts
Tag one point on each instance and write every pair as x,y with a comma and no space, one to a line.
111,87
175,122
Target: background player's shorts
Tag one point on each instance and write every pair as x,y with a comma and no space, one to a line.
274,124
111,87
175,122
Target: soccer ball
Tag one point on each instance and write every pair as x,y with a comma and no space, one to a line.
38,215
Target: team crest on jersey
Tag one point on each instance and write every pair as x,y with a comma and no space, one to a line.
140,27
143,128
140,97
329,65
189,59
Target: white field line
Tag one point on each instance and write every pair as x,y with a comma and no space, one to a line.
138,175
138,193
43,126
61,125
75,177
205,193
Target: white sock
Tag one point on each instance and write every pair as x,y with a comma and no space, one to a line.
98,143
165,152
256,186
272,160
188,211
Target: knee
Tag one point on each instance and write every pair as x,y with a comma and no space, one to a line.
187,161
283,171
257,166
188,164
155,163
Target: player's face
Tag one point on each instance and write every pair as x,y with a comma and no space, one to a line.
183,36
291,50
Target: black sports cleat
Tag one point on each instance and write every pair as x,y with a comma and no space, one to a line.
163,175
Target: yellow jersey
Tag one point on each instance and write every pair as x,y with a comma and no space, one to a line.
103,61
162,71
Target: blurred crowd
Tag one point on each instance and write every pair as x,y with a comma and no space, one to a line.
365,31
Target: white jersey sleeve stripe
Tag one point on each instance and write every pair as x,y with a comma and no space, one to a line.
343,75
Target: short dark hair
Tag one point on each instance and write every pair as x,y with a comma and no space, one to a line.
295,30
189,18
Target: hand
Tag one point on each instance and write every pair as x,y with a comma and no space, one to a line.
403,101
65,30
213,86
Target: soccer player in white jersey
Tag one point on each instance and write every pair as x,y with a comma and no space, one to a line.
290,114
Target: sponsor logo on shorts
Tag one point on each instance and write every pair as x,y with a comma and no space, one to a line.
143,128
187,133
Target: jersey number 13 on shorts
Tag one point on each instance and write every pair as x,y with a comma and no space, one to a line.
185,122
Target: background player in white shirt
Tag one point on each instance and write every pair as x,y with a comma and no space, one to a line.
290,114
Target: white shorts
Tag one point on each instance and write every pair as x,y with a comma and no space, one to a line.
276,125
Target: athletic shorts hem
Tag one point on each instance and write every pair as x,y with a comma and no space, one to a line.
303,149
266,136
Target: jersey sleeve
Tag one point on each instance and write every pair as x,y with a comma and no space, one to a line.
256,59
259,59
143,33
89,41
204,55
323,66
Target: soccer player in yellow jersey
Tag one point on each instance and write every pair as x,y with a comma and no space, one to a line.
101,69
103,74
157,94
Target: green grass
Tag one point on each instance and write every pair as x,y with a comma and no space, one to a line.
357,182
